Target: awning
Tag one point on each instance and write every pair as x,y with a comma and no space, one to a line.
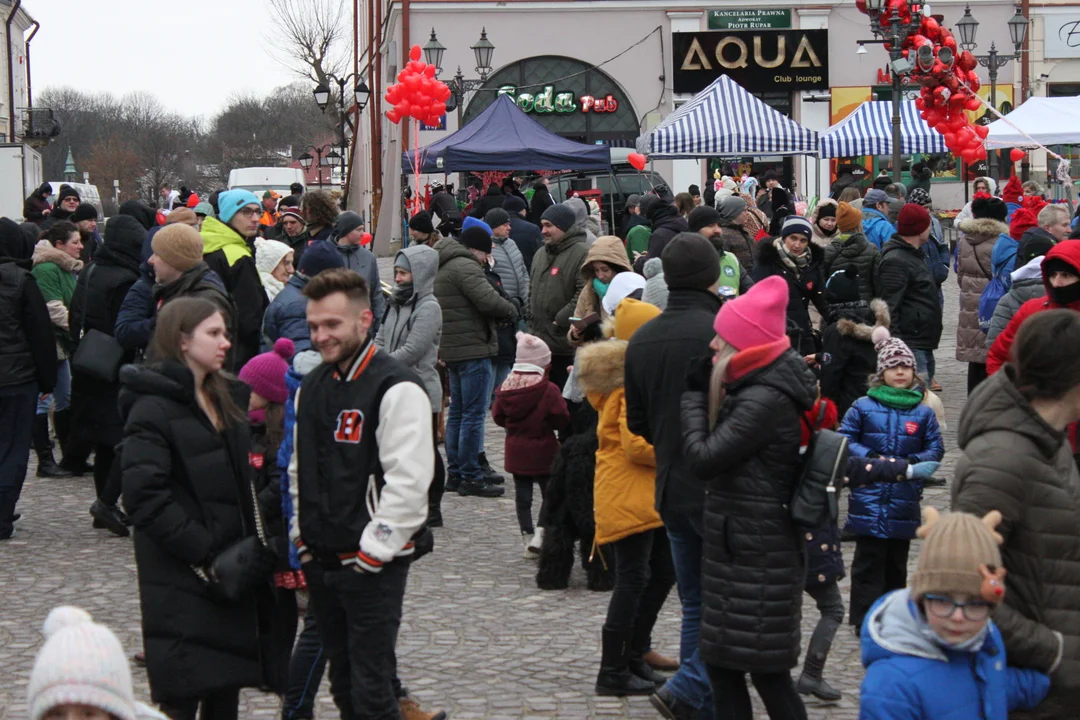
1049,121
725,119
868,131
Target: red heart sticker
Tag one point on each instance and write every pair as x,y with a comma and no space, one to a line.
255,460
554,271
810,285
911,427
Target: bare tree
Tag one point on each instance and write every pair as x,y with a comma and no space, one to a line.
309,37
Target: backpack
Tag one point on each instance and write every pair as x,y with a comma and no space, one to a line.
815,502
996,289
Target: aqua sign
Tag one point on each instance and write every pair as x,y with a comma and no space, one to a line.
549,101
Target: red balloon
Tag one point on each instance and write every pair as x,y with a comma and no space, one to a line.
417,112
1016,155
973,104
438,108
982,131
415,53
861,5
403,108
637,160
430,71
392,116
967,61
444,92
402,75
950,139
365,239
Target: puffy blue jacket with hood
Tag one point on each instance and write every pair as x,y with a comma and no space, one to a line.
912,675
302,364
287,316
889,509
876,227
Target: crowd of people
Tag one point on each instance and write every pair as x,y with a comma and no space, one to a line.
265,416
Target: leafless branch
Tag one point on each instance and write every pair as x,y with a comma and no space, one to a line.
309,37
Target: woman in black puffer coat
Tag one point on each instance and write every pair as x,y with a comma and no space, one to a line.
741,434
95,419
186,484
798,261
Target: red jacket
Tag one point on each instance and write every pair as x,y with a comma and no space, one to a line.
531,415
1067,250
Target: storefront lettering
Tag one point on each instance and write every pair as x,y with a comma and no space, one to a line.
797,59
804,57
548,101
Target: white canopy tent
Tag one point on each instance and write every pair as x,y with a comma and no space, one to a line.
1046,120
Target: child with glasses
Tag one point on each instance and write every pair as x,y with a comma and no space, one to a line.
931,649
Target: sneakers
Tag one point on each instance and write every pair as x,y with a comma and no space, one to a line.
526,539
533,550
479,488
453,482
490,476
671,707
411,710
110,518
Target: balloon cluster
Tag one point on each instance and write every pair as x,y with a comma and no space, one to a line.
417,94
948,79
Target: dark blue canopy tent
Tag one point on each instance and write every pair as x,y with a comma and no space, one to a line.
502,137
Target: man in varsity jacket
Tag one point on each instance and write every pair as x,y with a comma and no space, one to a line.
359,480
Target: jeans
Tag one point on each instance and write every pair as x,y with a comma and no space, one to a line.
306,670
777,691
691,683
644,574
358,616
499,370
925,365
879,566
218,705
60,397
17,403
468,411
523,496
830,605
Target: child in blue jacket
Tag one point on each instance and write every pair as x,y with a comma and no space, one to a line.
891,421
931,650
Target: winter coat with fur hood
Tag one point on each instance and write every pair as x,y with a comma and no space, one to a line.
738,241
624,489
974,272
820,238
608,249
55,271
848,358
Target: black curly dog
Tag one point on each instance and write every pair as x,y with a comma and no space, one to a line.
570,514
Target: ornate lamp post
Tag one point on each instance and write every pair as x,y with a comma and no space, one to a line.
483,50
323,154
361,94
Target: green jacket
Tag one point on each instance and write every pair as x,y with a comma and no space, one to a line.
555,281
637,240
55,273
470,305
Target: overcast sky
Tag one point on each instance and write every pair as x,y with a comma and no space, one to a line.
192,54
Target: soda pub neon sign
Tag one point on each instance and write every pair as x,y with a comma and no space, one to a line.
549,101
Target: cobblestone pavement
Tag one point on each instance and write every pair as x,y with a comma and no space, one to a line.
478,639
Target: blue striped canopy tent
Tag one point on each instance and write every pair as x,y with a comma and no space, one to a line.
868,131
725,119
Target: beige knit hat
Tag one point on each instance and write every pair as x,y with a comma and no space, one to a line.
179,245
183,215
960,555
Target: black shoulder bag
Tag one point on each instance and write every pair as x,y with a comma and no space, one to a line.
98,355
814,503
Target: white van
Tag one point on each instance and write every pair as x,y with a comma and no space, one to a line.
260,179
87,194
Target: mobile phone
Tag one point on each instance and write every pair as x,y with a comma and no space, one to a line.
584,322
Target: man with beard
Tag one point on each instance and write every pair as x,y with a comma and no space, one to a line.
706,221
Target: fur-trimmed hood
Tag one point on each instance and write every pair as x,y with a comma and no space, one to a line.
44,252
861,331
601,366
980,230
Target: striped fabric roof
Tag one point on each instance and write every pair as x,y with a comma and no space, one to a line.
725,119
868,131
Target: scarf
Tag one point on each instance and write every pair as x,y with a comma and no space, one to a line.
401,294
897,398
794,263
1065,296
257,417
601,288
271,284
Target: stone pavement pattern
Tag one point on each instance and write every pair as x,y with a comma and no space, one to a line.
478,638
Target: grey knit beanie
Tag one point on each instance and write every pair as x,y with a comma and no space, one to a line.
561,216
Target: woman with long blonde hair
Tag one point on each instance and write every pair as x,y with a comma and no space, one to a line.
741,437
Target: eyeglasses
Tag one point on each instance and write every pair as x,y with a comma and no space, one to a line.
943,607
249,211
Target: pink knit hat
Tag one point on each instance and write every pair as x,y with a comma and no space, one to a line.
531,350
757,318
265,373
891,352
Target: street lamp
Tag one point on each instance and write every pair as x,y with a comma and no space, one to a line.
993,60
894,34
321,159
483,51
361,95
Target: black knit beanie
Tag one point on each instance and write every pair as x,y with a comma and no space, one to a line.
992,208
476,238
421,222
690,261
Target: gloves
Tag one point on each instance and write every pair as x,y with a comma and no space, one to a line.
698,374
923,470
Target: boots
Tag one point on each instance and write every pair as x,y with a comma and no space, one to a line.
72,459
112,518
411,710
615,678
490,476
811,683
644,671
47,466
435,493
526,541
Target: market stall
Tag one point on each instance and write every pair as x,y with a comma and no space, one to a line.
1038,121
867,131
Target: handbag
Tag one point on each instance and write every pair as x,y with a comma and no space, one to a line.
815,504
98,355
244,565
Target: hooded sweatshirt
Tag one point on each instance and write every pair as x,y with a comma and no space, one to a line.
226,252
911,673
1027,284
582,218
412,329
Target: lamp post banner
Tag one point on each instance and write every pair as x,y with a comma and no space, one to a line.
757,60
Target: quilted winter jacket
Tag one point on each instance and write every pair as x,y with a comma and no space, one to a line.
531,415
287,316
849,249
510,267
470,305
803,289
974,272
1027,285
907,285
877,227
889,509
753,568
555,283
740,243
1015,463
